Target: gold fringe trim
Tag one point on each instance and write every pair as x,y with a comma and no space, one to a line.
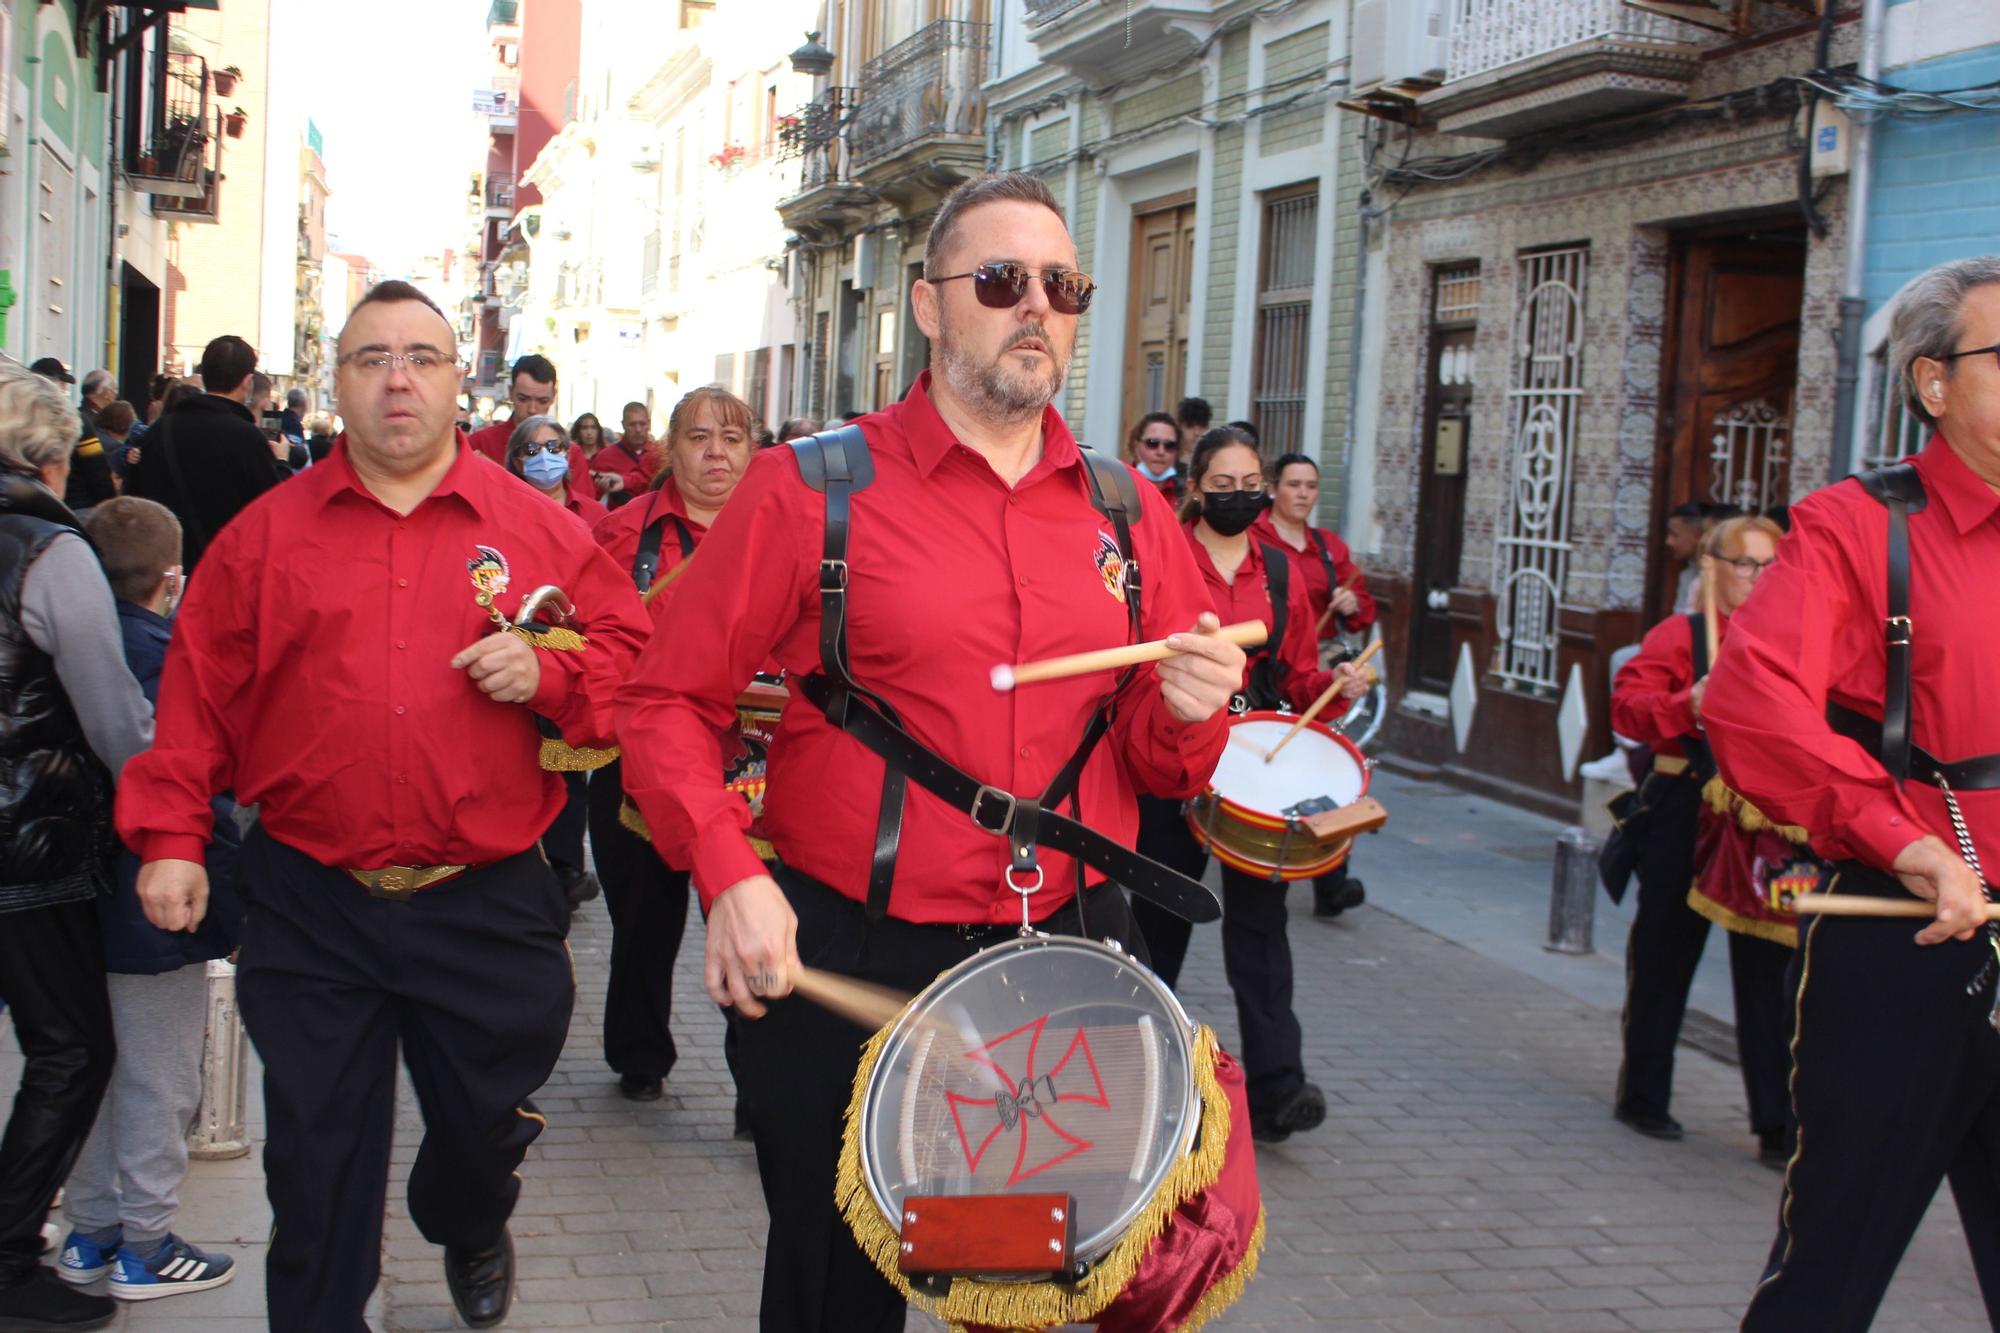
1230,1285
559,756
1036,1305
1743,925
1725,801
632,821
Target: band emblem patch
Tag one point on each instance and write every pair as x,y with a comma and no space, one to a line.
1110,566
1791,880
489,572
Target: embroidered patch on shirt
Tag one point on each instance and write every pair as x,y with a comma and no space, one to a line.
1110,566
489,574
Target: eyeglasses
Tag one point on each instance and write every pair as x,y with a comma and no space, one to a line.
1975,351
1252,481
381,363
544,446
1001,286
1748,568
1149,443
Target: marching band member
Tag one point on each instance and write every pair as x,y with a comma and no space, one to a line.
1246,580
893,565
347,679
1854,699
708,447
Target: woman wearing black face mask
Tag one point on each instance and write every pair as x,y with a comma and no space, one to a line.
1247,580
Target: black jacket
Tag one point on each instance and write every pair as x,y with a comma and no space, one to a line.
205,460
55,796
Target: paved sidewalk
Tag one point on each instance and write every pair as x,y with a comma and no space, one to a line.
1470,1176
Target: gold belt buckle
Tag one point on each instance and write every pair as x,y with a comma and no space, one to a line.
399,884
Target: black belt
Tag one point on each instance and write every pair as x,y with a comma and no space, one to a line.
1866,880
1004,815
1979,773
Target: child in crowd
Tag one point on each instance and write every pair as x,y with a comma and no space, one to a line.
121,1197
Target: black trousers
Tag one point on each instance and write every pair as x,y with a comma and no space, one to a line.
564,840
52,977
1256,953
796,1065
1897,1087
1664,948
649,906
473,979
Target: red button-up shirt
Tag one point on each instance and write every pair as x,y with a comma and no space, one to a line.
619,535
622,463
951,572
315,680
1248,597
491,441
1309,568
1812,631
1652,696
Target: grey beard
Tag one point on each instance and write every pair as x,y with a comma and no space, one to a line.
994,390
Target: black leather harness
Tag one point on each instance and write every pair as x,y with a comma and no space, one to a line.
647,562
837,464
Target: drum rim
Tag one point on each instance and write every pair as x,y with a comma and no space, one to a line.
1264,818
1189,1037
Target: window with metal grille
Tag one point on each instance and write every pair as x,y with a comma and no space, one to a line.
1531,553
1284,319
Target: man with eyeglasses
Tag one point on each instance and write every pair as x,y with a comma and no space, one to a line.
356,678
531,391
1855,700
207,459
977,538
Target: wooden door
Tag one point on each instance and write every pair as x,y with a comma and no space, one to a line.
1441,484
1156,338
1731,381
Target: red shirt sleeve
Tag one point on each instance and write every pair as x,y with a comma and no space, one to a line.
1652,695
1807,627
1305,679
1344,569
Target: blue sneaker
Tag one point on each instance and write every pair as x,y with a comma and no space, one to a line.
172,1269
83,1261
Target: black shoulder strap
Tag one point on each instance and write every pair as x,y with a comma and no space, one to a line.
647,562
1277,578
1701,759
1698,629
1114,493
1900,489
1325,558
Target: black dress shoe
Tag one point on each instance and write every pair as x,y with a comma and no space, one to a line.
1652,1126
43,1301
481,1281
1300,1110
641,1087
1326,906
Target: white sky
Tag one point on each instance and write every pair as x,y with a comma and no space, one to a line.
392,96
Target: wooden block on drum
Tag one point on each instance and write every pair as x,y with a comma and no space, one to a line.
1362,816
1001,1235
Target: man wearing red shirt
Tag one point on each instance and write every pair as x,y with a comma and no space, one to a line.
976,542
348,680
532,392
626,466
1897,1073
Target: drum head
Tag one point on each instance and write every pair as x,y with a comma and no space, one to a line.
1040,1066
1317,763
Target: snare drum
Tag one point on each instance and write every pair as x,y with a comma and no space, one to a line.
1252,813
1055,1065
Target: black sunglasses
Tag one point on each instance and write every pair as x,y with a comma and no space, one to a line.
1001,286
1994,350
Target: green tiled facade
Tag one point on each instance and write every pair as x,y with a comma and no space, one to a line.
1225,207
1291,65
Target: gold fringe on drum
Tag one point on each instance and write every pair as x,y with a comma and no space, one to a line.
559,756
1036,1305
1725,801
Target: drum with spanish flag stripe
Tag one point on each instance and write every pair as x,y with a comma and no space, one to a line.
1258,815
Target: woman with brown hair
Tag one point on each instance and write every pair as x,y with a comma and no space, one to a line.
1153,449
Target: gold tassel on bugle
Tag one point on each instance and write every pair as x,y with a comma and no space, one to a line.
1035,1305
556,637
559,756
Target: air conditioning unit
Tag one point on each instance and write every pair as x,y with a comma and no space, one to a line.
1401,41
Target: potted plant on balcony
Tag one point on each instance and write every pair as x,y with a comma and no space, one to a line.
729,155
225,79
233,123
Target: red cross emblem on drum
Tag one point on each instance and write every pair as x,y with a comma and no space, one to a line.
1020,1105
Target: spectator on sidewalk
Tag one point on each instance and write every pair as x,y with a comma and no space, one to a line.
293,424
114,431
206,458
122,1194
319,436
72,716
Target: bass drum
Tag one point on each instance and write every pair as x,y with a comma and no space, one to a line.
1059,1065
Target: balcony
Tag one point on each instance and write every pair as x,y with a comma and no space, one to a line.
922,108
1104,41
1518,66
500,195
167,157
817,135
201,206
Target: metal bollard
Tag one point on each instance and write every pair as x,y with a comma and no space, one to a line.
218,1131
1573,894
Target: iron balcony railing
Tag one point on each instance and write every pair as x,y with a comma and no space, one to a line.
925,86
817,135
168,158
1048,11
1491,34
500,191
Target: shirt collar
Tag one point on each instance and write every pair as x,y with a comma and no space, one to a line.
1968,500
930,439
466,478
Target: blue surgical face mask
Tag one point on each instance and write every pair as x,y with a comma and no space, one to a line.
1147,472
545,469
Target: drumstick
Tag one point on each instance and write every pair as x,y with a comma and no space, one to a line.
860,1002
1708,608
1857,904
661,585
1346,585
1244,634
1325,698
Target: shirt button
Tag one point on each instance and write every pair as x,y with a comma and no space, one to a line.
1024,752
401,644
403,779
402,583
1895,819
400,710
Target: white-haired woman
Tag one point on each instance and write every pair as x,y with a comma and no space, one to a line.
70,716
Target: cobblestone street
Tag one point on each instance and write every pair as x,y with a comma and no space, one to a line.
1469,1177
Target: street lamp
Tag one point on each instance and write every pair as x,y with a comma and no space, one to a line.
812,58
